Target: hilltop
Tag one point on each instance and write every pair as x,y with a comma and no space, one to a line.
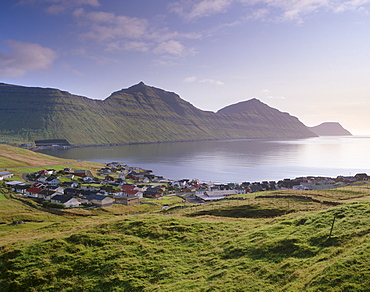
330,129
138,114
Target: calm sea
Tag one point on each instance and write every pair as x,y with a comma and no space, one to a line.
237,160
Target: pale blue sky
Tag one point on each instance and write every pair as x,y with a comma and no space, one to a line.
310,58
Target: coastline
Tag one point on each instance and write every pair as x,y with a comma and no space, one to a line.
37,148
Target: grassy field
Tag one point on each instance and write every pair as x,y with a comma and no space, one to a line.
280,244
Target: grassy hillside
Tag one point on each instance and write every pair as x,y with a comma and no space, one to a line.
134,115
17,157
267,244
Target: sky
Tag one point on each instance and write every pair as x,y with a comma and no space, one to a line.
310,58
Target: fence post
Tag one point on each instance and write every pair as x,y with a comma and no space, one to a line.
332,226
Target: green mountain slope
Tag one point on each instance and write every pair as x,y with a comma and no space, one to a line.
134,115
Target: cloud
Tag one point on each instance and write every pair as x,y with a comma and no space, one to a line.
137,46
171,47
196,9
193,79
120,32
212,81
59,6
267,10
190,79
109,26
25,57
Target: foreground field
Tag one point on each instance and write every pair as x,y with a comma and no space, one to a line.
282,247
268,241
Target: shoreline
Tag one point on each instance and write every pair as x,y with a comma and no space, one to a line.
37,148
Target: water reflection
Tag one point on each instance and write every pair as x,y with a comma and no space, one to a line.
236,160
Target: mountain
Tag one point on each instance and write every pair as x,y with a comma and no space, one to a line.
330,129
138,114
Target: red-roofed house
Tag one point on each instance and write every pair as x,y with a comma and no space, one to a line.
33,192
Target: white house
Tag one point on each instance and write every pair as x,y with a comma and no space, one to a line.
208,196
5,175
67,201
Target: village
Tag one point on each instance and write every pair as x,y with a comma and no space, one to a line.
118,183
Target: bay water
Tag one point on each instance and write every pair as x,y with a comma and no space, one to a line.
237,160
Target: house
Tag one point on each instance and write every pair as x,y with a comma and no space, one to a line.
38,185
44,172
346,179
128,187
5,175
152,193
100,200
20,189
42,178
362,176
68,170
87,179
253,188
92,187
52,180
70,184
51,171
55,189
72,191
66,200
133,192
208,196
83,173
45,194
15,183
128,200
205,197
32,192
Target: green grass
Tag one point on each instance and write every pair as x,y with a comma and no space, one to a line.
292,252
255,244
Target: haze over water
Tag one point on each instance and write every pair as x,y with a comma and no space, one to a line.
237,160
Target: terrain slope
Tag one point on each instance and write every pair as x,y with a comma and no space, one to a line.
139,114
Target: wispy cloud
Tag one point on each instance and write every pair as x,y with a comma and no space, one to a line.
59,6
190,79
196,9
193,79
268,10
105,26
119,32
24,57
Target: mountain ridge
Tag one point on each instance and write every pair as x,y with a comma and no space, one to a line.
138,114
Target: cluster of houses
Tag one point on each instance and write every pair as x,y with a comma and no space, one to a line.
73,188
121,184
